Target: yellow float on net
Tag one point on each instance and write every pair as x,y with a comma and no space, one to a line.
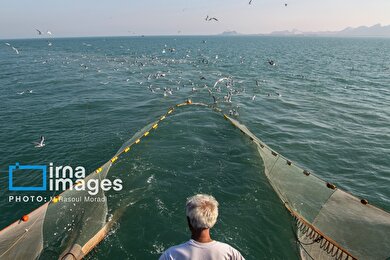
138,140
56,199
170,111
146,134
127,149
155,126
162,118
99,170
114,159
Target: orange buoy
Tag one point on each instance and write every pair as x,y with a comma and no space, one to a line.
25,218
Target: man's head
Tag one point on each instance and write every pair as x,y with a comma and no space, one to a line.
202,211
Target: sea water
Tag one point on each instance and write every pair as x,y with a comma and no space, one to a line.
325,105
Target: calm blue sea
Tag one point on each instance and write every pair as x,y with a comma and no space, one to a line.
325,105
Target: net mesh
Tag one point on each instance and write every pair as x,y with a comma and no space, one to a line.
330,223
27,233
70,226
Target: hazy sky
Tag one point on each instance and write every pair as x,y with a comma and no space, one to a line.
19,18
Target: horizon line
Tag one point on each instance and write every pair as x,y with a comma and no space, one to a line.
304,34
273,33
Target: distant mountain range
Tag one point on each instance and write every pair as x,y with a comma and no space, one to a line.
376,30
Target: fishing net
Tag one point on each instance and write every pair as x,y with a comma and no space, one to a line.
330,223
72,223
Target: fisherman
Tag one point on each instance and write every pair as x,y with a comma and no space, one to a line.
202,213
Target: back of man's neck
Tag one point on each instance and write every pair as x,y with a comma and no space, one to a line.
202,236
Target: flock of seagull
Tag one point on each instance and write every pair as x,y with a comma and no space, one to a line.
214,92
41,142
48,33
222,91
208,18
39,33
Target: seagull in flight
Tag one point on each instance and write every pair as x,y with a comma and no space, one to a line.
41,143
208,18
16,50
271,62
39,32
250,1
285,4
49,32
220,80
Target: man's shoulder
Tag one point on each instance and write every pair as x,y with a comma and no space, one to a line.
176,247
222,244
228,248
173,250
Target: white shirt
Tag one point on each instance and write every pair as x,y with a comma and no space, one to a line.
191,249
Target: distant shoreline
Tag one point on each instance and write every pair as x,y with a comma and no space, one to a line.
205,35
376,30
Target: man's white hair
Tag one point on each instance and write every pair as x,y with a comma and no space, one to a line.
202,210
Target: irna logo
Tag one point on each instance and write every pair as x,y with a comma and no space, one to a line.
58,178
13,168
